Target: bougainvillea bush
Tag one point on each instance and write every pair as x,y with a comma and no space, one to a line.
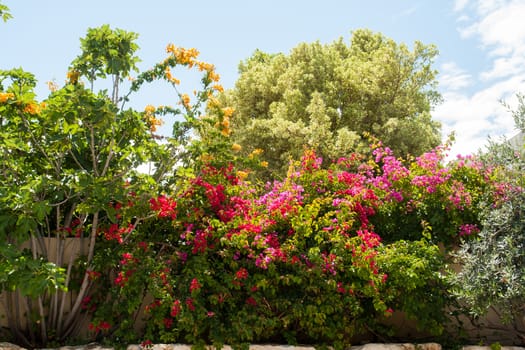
302,260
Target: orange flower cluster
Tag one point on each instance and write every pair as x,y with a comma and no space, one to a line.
242,174
151,120
189,57
184,56
4,96
256,152
72,77
33,108
228,112
170,77
52,86
185,100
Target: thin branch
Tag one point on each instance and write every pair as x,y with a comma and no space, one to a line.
85,281
110,156
92,148
75,159
41,313
37,144
63,299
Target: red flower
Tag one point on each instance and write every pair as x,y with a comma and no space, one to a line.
121,279
165,206
251,301
189,304
175,308
242,274
97,327
146,344
143,246
93,275
126,258
168,322
194,285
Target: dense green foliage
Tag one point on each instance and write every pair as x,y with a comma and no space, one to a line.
492,276
300,261
327,96
198,252
65,162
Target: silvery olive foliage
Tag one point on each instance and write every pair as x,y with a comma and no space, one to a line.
493,263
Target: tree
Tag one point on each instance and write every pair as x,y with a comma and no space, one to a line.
68,164
328,96
492,277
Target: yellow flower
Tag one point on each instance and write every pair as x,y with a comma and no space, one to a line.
225,132
228,111
32,108
225,123
214,76
149,109
242,174
72,76
171,48
206,157
204,66
213,102
185,99
52,86
255,152
150,118
167,72
154,122
264,164
183,56
218,87
236,147
170,77
4,96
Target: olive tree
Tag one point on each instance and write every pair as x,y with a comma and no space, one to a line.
328,96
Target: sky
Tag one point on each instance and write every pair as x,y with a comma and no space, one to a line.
481,44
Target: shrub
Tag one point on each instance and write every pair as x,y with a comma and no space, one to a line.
299,260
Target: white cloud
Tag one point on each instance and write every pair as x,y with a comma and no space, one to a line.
460,5
504,67
463,18
486,6
474,118
452,77
475,115
500,26
405,13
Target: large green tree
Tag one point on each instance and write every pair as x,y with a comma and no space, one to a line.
67,166
329,96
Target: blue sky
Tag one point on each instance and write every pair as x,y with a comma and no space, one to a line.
481,43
